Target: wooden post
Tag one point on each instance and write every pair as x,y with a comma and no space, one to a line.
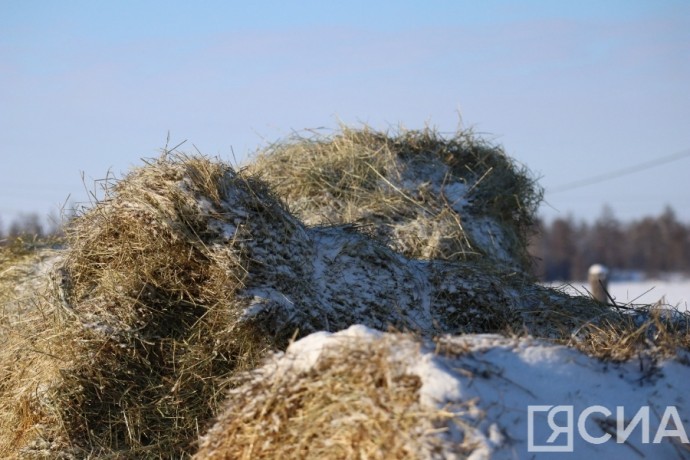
599,282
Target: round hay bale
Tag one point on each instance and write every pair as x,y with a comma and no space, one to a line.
458,198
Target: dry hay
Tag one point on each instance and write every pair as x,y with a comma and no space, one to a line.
189,271
31,354
656,331
355,398
457,198
147,295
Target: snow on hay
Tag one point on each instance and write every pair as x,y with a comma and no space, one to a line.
360,393
186,273
456,198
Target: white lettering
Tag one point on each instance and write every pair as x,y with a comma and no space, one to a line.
671,413
623,432
670,426
583,419
555,429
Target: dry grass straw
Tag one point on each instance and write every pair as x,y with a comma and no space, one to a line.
424,194
615,331
32,358
129,356
32,353
654,331
152,289
357,401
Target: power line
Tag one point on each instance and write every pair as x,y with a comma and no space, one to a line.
621,172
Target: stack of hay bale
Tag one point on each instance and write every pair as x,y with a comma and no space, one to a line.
190,272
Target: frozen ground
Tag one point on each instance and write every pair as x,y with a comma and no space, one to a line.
673,292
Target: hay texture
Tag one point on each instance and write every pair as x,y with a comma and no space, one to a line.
30,355
458,198
187,273
361,393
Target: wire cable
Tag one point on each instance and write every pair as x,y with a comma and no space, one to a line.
619,173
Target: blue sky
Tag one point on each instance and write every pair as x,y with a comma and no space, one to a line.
570,89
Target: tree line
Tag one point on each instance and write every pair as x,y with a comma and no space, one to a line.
31,226
564,249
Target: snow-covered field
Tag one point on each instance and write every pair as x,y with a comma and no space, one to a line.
672,292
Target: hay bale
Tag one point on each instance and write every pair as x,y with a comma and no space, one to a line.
187,273
341,396
140,332
459,198
365,394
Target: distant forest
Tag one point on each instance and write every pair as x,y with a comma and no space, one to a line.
31,226
563,249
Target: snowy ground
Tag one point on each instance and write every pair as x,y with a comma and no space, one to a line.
672,292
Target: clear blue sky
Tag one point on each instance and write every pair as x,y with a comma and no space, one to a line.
571,89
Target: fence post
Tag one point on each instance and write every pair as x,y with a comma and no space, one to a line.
599,282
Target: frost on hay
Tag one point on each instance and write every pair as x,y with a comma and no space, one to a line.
458,198
188,272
